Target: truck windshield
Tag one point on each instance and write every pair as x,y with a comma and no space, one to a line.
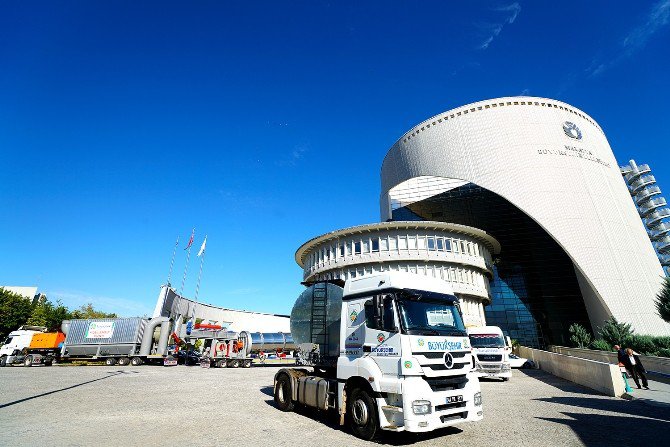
428,313
487,341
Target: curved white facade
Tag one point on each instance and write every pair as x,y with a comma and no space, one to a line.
458,254
553,162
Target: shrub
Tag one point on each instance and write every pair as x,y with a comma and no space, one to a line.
601,345
615,333
579,337
663,352
643,344
663,300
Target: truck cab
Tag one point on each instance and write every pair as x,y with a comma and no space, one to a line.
17,341
403,362
491,352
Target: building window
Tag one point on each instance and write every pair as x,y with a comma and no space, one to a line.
342,250
357,248
421,242
447,245
393,243
385,244
375,245
402,243
366,246
412,242
431,243
440,244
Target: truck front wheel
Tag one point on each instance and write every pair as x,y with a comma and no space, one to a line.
28,360
283,393
3,361
362,414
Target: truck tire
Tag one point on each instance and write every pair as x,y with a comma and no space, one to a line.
124,361
28,361
110,361
362,414
3,361
247,364
234,363
136,361
283,393
221,364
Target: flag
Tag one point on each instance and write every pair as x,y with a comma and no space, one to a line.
190,241
202,247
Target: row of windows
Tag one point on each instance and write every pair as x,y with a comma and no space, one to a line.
454,275
495,105
392,243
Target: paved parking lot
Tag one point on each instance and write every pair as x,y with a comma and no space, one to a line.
77,405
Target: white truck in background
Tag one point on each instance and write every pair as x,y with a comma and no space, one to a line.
388,351
491,352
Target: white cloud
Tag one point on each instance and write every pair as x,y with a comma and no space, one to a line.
636,39
495,29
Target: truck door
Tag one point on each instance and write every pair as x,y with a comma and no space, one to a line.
382,339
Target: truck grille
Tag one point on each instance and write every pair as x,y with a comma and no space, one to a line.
446,383
449,406
439,355
443,367
453,417
489,357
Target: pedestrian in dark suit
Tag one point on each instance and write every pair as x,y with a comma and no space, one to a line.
635,368
620,353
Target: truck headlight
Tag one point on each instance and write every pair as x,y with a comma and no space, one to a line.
422,407
478,399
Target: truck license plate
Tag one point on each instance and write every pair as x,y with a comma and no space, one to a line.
454,399
169,362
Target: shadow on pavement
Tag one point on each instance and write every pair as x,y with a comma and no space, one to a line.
633,408
331,420
25,399
606,430
268,391
562,384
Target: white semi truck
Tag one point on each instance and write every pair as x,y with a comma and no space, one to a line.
388,351
491,352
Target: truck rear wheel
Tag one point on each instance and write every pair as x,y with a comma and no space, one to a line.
136,361
28,360
247,363
221,364
234,363
124,361
110,361
3,361
362,414
283,393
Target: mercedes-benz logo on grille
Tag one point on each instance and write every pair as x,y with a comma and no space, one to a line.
448,360
572,130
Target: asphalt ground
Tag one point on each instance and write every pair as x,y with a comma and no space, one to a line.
151,405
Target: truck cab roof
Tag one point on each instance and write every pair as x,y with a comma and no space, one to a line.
395,280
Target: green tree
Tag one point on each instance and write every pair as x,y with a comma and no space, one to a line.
580,336
14,311
86,312
49,315
615,333
663,300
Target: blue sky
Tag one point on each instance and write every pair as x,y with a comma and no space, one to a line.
125,124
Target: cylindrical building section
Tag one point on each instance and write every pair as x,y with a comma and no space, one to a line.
458,254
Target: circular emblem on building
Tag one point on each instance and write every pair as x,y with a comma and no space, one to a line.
572,130
448,360
421,342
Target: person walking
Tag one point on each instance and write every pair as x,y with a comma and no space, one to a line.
635,368
620,353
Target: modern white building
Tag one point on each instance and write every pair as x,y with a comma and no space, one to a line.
539,176
172,305
458,254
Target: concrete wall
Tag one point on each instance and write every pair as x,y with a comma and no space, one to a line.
657,365
600,376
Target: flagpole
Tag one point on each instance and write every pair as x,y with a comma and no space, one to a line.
197,286
174,253
188,257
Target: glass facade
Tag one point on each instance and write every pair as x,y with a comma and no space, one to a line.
535,294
